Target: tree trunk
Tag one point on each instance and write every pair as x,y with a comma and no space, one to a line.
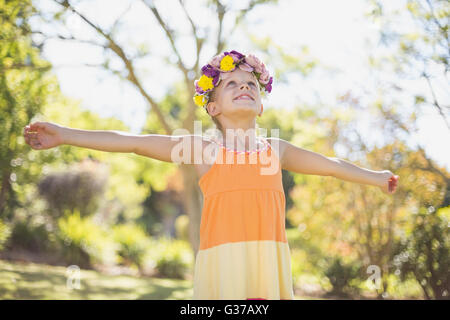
5,188
193,203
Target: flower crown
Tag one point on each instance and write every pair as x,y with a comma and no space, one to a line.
224,63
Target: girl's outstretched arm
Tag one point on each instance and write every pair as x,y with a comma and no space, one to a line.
384,179
304,161
46,135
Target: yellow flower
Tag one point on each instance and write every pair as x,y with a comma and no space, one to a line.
206,83
200,100
227,63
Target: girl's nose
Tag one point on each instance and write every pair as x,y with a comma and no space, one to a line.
244,85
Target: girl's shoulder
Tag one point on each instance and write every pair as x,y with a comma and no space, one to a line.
277,145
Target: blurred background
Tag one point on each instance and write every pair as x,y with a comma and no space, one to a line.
366,81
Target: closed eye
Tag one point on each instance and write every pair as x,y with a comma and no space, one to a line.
250,82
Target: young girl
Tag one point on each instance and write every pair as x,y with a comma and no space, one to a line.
243,253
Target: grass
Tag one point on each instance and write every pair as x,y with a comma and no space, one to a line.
31,281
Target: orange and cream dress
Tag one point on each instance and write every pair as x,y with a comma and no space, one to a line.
243,253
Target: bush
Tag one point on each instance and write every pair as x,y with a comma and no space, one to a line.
171,258
306,276
341,276
84,243
86,181
315,256
132,244
5,232
425,253
406,289
28,236
300,265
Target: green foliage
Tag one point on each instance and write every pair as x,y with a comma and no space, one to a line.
182,227
5,232
29,236
84,243
306,255
407,288
341,276
133,243
23,91
300,265
425,253
86,182
171,258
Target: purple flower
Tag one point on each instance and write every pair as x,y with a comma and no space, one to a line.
249,63
216,79
210,71
269,85
237,56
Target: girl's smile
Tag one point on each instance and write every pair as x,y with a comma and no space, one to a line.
244,96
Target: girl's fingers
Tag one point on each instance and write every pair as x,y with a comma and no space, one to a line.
32,138
36,125
32,135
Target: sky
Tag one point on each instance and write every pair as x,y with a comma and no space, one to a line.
336,32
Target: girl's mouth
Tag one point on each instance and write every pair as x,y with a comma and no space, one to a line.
244,98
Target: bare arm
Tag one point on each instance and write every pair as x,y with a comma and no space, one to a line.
300,160
345,170
308,162
383,179
45,135
179,149
103,140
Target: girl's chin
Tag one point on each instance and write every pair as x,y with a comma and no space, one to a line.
243,101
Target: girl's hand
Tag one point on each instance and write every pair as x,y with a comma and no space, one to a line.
388,182
43,135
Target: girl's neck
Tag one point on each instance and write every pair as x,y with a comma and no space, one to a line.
241,141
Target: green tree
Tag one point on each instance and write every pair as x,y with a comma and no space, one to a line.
425,252
24,88
178,111
420,51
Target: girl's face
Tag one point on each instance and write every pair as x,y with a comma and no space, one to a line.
229,102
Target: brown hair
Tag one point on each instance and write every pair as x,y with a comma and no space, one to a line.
212,97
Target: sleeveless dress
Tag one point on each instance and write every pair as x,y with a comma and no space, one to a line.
243,252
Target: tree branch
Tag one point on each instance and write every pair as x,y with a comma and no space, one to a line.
444,30
198,41
169,34
71,38
435,102
116,23
127,62
189,120
221,9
